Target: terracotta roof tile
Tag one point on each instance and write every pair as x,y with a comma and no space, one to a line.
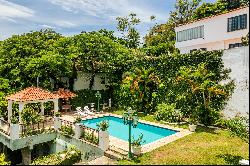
32,94
64,93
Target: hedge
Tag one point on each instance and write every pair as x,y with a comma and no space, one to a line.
66,157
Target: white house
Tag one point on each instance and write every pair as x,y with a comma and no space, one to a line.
217,32
83,81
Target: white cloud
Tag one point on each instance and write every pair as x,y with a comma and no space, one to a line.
48,26
65,24
12,10
109,9
8,19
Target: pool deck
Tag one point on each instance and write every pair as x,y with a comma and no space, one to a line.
121,144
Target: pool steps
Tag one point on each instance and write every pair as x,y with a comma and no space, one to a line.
116,153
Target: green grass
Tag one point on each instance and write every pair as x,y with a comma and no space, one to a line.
206,146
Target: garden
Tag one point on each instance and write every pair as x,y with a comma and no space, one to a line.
152,78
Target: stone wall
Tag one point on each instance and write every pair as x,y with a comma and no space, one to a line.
88,151
237,59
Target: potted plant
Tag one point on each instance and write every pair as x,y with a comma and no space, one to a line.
103,134
57,114
136,144
192,123
78,120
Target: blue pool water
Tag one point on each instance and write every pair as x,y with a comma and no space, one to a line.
118,129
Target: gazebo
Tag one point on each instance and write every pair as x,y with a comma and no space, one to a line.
31,95
65,94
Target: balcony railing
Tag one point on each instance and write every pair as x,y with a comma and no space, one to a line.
90,135
37,128
5,127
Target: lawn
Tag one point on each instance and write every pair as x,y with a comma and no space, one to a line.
206,146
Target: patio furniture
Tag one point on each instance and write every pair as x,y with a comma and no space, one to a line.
92,106
80,112
66,107
87,110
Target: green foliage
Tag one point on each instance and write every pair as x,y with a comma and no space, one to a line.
90,137
238,126
137,142
88,96
126,25
97,54
14,119
57,114
207,95
78,120
66,157
245,40
30,115
184,10
103,125
210,9
167,112
30,131
3,160
67,130
138,88
219,7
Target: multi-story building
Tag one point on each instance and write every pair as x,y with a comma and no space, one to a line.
222,31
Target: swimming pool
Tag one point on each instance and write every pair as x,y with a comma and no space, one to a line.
117,129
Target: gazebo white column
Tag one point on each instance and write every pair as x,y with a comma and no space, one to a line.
21,107
42,109
56,107
9,110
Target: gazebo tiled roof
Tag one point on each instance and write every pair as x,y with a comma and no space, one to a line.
32,94
64,93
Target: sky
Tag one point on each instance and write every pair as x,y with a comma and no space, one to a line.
70,17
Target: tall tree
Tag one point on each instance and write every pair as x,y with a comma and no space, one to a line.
184,10
98,53
126,25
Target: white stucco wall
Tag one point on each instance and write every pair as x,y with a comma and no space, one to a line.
83,80
215,32
237,59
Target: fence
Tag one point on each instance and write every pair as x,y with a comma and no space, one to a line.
5,127
36,128
90,135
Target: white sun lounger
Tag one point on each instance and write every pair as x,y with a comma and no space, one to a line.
86,111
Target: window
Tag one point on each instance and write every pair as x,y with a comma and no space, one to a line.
237,23
189,34
235,45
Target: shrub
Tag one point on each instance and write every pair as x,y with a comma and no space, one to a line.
238,126
167,112
90,137
137,142
67,130
103,125
78,120
30,115
3,160
66,157
88,96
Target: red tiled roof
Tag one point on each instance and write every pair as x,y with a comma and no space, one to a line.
32,94
212,16
64,93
